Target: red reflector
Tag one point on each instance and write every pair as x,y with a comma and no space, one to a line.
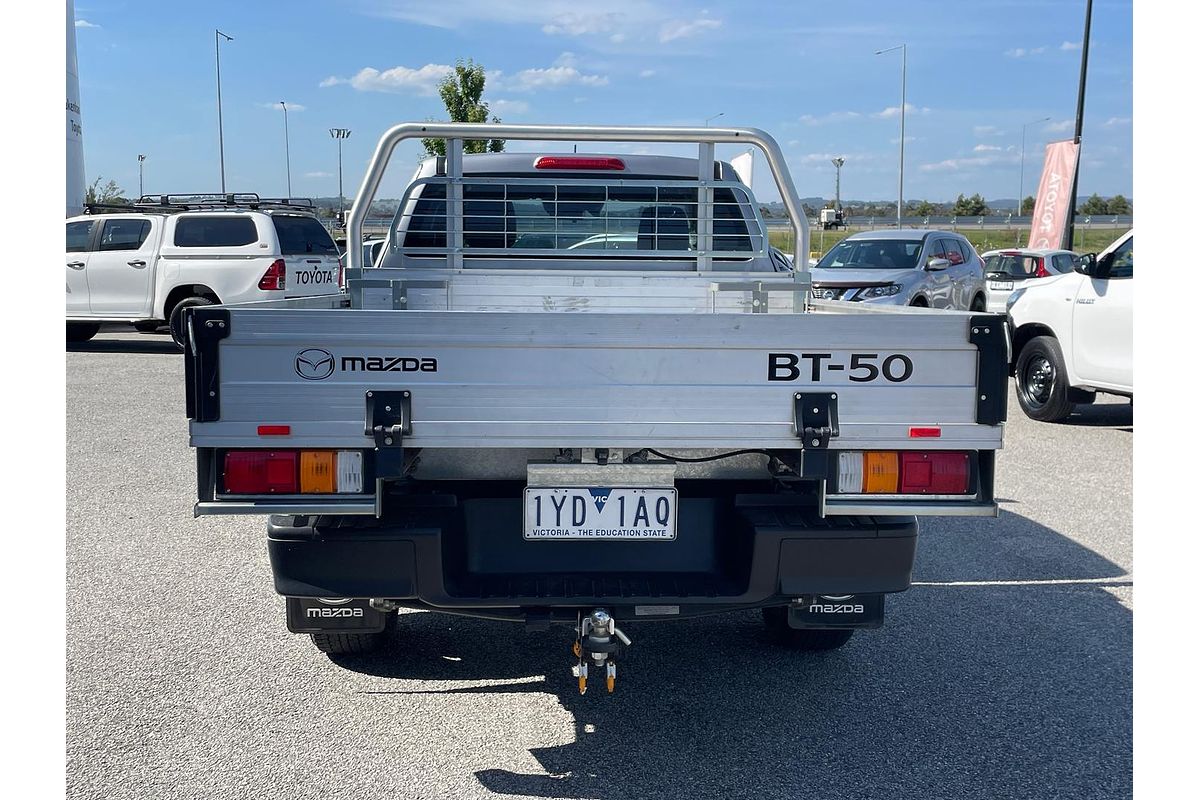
275,277
924,433
934,473
261,472
274,430
577,162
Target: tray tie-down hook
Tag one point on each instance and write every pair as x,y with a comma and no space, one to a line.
597,639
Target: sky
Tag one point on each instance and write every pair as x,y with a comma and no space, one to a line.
979,74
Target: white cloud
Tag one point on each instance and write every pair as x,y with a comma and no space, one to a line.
831,117
276,107
532,80
1114,121
674,29
646,73
580,24
1061,126
987,130
1021,52
318,174
617,38
988,148
970,163
507,107
83,23
1070,46
422,80
894,111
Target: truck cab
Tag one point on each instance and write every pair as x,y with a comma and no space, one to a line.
1073,334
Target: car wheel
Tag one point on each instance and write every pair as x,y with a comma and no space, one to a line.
1041,376
812,640
978,303
147,327
341,644
178,332
919,302
81,331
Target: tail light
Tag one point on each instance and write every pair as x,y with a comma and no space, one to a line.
293,472
342,271
903,472
1041,271
275,277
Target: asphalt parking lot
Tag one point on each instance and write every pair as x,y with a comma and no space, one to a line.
1005,672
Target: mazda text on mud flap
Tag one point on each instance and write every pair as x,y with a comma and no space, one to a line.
580,388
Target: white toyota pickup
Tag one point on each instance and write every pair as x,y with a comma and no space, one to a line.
1072,334
579,388
146,262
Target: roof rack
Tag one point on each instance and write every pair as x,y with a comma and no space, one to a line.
201,201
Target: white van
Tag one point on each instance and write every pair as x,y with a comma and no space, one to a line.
145,263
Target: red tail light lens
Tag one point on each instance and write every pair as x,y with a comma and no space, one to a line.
934,473
1041,272
577,162
342,271
261,472
275,276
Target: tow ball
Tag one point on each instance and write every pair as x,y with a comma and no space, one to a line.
596,640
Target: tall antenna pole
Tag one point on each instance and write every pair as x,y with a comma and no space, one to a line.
1069,234
141,187
903,48
220,120
340,134
287,150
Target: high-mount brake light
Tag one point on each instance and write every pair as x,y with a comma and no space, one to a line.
275,278
935,472
260,472
578,162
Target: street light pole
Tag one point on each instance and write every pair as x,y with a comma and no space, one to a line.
903,48
220,120
714,116
837,186
1021,189
340,134
141,187
287,150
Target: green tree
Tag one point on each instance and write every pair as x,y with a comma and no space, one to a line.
1119,205
925,209
1094,205
972,206
1027,206
462,93
110,193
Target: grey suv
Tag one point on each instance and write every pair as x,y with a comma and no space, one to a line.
936,269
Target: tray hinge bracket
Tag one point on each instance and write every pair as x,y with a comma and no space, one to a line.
816,418
388,421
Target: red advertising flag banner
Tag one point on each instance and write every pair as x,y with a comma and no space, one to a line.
1052,206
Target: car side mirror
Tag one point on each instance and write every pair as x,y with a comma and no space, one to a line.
937,264
1102,266
1087,263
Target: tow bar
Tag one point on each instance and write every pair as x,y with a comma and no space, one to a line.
596,638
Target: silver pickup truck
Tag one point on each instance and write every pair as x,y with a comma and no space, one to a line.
582,388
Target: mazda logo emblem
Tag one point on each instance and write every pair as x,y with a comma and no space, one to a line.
314,364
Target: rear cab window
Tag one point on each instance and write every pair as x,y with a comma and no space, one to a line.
124,234
79,235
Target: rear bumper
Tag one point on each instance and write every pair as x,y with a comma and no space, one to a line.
452,553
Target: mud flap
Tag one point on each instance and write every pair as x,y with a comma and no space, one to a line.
837,611
333,615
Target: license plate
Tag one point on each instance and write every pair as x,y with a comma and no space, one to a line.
1000,285
597,513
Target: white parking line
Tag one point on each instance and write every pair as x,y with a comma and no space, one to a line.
1126,580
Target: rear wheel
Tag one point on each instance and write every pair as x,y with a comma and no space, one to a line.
919,302
336,644
147,327
814,639
81,331
178,332
1041,375
978,303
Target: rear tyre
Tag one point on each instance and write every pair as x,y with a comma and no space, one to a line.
1041,376
81,331
340,644
178,332
978,303
812,640
147,327
919,302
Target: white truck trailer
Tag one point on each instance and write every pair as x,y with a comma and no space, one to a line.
578,389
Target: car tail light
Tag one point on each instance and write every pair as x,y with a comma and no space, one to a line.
342,271
577,162
293,472
881,472
934,473
275,277
903,472
260,472
1041,271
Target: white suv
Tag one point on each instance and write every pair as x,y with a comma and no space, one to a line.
145,263
1072,334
